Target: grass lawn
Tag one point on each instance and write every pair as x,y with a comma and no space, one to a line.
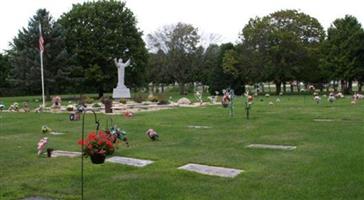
327,164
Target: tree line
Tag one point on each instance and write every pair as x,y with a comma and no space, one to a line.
284,47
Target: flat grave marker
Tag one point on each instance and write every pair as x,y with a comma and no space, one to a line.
323,120
211,170
56,133
271,146
70,154
129,161
193,126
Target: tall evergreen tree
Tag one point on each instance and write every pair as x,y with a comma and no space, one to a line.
25,59
4,72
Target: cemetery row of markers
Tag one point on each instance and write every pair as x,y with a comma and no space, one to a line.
99,144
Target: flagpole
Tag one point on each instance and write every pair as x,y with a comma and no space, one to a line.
41,65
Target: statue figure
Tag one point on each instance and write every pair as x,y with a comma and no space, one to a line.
121,70
121,91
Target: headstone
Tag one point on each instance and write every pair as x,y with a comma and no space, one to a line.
121,91
56,102
108,104
184,101
129,161
70,154
26,107
271,146
212,170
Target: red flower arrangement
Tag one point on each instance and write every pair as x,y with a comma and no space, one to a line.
100,144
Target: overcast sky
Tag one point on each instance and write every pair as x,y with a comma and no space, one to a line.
222,17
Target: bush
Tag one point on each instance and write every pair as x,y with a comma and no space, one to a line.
162,100
123,101
96,105
152,98
86,99
139,98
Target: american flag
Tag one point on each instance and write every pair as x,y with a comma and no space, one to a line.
41,40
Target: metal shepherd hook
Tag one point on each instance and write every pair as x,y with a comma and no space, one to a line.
83,136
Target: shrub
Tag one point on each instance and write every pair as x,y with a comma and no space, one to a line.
123,101
162,100
139,98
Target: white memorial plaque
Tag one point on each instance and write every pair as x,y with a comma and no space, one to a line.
129,161
271,146
212,170
70,154
192,126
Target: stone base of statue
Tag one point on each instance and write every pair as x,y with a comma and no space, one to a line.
121,92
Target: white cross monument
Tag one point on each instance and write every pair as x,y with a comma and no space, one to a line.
121,91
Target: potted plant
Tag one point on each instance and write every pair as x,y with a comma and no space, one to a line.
97,146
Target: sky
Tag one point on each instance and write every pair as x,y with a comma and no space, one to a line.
223,18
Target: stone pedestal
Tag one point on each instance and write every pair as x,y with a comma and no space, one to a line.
121,92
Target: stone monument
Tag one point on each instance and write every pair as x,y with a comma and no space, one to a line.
121,91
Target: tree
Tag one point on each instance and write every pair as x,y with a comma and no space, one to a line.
4,71
283,42
220,78
97,32
157,69
179,42
25,61
341,59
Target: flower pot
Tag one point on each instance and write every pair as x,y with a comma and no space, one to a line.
97,158
49,152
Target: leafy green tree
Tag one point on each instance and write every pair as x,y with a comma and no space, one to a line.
97,32
284,43
179,42
158,69
220,77
25,59
341,59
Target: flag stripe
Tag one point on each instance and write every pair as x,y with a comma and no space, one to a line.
41,43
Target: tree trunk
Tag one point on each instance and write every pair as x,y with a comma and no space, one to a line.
162,87
284,87
321,87
278,87
100,91
262,86
343,86
291,89
360,85
350,87
182,88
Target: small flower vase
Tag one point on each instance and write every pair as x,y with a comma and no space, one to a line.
97,158
49,152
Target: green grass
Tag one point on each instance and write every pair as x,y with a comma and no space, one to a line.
327,164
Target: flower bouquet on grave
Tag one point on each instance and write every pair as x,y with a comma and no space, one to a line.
42,145
116,134
152,134
198,97
226,99
2,107
97,146
128,114
45,129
